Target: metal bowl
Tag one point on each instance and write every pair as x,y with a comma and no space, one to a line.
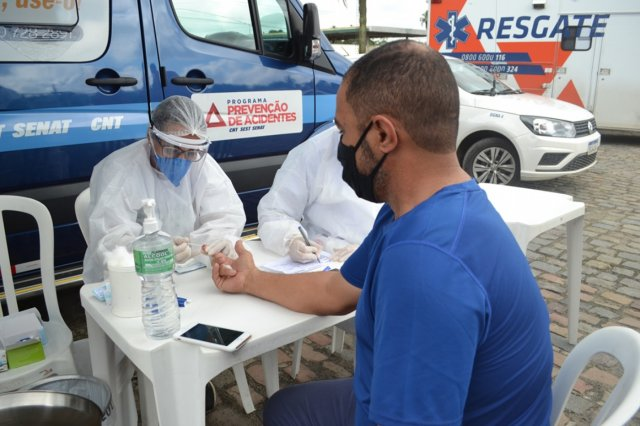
46,408
92,388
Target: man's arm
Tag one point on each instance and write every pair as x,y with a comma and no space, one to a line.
320,293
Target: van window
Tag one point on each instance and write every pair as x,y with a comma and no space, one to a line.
576,38
275,29
221,21
85,42
229,23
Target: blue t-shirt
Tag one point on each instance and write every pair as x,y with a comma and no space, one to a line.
451,326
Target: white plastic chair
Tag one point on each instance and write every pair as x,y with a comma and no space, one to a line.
81,207
82,215
622,343
58,356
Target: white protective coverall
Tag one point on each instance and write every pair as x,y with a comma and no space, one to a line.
205,206
308,190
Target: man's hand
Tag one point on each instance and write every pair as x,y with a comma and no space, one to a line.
300,252
233,275
181,249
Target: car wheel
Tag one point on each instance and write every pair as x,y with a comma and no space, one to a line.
492,160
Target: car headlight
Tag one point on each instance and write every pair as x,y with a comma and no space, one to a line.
549,127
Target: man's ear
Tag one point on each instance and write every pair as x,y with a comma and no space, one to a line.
385,133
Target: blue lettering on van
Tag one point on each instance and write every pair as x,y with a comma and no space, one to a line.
452,30
521,26
540,27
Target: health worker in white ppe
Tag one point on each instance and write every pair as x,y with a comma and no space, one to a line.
195,200
308,191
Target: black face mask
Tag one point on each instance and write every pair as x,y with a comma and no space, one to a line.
361,184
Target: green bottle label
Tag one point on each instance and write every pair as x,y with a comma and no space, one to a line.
154,261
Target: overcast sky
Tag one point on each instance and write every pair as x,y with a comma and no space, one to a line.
399,13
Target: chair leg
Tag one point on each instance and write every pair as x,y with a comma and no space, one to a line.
337,342
297,356
243,388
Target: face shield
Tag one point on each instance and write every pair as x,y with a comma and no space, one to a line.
178,136
174,146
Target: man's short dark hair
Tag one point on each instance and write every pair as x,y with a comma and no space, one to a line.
411,83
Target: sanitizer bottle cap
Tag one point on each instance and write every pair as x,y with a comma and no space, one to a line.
150,223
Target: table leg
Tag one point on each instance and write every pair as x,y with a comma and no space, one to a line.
337,339
243,387
574,274
109,364
178,385
297,355
148,410
270,367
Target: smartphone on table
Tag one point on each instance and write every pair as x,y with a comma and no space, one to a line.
214,337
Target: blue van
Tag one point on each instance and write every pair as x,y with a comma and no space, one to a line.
79,78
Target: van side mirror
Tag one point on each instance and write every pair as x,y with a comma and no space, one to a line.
311,33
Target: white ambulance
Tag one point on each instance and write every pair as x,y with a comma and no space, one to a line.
585,52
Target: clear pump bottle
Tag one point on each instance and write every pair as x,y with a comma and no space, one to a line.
154,260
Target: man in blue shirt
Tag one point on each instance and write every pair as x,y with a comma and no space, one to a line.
451,327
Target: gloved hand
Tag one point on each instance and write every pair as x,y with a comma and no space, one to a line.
223,246
343,253
302,253
181,249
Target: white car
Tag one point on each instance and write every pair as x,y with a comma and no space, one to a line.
506,135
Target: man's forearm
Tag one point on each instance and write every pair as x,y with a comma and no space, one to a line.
320,293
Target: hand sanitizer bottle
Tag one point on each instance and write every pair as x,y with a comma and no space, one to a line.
154,262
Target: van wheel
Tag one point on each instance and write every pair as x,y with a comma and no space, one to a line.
492,160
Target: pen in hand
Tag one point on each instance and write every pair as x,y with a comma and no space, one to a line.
306,240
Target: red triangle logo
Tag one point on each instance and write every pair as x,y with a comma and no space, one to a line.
214,119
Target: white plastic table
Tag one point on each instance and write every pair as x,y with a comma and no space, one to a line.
530,212
177,371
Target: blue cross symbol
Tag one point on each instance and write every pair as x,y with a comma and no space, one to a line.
452,29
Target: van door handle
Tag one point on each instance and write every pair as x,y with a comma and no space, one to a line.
115,81
189,81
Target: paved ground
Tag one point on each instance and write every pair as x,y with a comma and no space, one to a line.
610,290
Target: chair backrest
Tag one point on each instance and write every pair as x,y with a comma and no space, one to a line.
82,214
45,230
620,342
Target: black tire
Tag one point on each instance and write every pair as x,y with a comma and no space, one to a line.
492,160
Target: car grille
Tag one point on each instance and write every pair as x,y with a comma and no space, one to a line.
582,127
580,162
551,159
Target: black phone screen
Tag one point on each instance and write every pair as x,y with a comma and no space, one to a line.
209,333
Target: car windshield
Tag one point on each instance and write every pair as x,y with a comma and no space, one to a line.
474,79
